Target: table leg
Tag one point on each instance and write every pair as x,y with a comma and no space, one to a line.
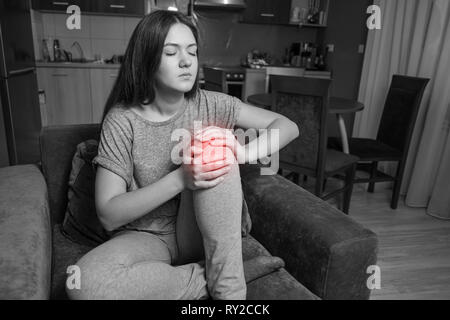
343,131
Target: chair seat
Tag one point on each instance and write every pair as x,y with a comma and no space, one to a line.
336,160
367,149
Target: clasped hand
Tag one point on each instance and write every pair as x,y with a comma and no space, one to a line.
211,154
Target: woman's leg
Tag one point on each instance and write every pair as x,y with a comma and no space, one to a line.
136,265
218,227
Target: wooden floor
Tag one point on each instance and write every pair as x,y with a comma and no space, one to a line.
414,248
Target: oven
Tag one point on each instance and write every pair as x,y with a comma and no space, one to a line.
226,79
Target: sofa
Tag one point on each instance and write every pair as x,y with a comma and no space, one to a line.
325,252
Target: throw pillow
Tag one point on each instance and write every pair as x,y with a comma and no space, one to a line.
81,223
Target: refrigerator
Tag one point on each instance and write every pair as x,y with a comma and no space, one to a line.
19,99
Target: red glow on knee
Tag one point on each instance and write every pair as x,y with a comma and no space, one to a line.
216,153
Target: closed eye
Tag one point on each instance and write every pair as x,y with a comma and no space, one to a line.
170,53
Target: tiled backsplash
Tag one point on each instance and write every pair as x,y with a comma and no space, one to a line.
223,39
99,35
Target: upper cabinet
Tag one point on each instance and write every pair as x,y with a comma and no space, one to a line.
267,11
103,7
59,6
303,13
118,7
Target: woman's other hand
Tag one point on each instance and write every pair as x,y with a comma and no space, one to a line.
206,166
220,137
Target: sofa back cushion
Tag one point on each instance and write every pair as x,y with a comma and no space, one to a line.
81,223
58,145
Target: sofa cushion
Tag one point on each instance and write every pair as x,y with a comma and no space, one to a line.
25,234
278,285
67,252
81,223
58,145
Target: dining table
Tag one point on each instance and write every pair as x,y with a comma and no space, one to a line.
337,105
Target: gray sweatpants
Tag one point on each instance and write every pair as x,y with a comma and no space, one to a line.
201,260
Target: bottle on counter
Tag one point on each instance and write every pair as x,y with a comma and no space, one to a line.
309,63
45,51
321,65
286,58
56,50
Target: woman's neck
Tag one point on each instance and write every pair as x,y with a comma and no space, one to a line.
165,104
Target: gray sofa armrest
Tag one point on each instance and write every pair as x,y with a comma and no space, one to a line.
324,249
25,234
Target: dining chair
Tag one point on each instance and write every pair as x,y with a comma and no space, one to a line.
281,71
305,101
215,80
394,134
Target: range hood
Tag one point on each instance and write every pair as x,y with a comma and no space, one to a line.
221,4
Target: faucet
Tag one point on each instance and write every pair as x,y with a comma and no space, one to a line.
80,50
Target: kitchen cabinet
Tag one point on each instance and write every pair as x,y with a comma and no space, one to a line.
60,5
182,5
102,82
68,95
282,12
102,7
118,7
300,9
267,11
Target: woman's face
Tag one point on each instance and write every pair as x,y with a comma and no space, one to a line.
179,62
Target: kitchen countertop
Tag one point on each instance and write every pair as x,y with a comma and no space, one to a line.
86,65
263,69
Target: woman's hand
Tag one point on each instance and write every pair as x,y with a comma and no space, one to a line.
219,137
206,166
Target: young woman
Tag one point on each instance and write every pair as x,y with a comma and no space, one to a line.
176,229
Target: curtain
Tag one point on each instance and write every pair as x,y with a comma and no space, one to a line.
414,40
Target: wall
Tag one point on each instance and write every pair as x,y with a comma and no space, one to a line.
103,35
4,158
346,31
223,39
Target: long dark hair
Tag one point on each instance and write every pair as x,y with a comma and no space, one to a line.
136,79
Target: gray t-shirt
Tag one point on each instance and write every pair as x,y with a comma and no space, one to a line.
139,150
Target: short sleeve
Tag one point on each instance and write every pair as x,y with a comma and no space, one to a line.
226,110
115,147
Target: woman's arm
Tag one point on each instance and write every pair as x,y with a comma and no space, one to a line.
276,126
258,118
116,207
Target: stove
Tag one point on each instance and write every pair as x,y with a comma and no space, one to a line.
226,79
232,73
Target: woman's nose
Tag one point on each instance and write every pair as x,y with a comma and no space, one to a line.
185,61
